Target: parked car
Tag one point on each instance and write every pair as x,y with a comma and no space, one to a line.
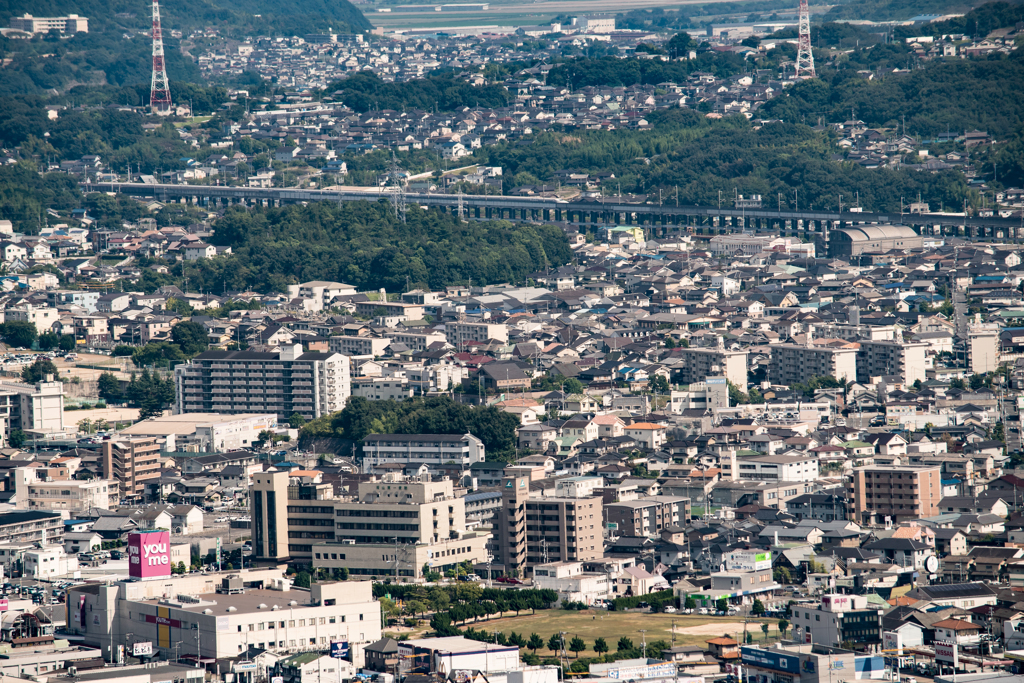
670,610
703,610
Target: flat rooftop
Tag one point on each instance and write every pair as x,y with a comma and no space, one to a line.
186,423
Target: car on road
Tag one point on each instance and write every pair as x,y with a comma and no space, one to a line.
703,610
508,579
670,610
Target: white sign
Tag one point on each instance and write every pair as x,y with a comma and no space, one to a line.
892,643
654,671
947,652
243,666
142,649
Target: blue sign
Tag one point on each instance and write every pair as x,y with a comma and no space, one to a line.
769,659
339,649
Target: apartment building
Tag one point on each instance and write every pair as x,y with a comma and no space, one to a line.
796,364
539,530
879,494
432,450
324,292
382,388
132,463
43,317
35,408
418,341
390,309
697,364
396,526
896,357
462,332
358,346
427,380
71,495
32,526
284,383
778,468
647,516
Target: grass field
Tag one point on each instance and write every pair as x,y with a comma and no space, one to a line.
593,624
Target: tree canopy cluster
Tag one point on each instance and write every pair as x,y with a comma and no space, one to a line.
435,415
365,91
363,244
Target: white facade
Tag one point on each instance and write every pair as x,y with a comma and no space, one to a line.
462,332
432,450
70,495
456,653
43,317
570,582
49,562
359,346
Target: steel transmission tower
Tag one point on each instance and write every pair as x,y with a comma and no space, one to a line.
160,88
398,191
804,56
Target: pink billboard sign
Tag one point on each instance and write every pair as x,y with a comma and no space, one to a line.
149,554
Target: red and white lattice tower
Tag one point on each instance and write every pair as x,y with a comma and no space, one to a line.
804,56
160,88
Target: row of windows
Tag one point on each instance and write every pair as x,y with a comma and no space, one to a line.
291,623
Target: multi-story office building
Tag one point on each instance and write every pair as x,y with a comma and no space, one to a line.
432,450
464,331
219,616
69,24
697,364
879,494
839,619
289,517
896,357
132,463
538,530
284,383
396,526
647,516
795,363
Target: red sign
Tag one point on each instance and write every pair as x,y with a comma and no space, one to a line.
154,619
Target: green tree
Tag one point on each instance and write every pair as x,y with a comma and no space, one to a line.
624,644
782,575
535,642
296,421
783,626
109,387
192,337
577,646
66,342
600,646
765,628
757,609
689,603
158,354
573,386
516,639
722,605
17,439
19,333
659,384
48,341
302,580
555,642
37,371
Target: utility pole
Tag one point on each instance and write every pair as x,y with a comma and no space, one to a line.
643,636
